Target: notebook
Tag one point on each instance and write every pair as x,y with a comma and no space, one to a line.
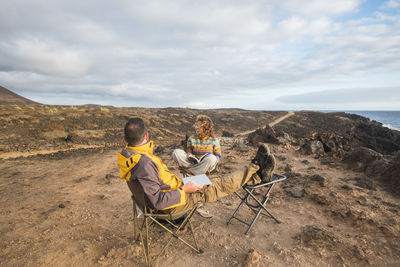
201,179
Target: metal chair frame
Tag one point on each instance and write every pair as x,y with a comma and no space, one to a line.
260,205
149,217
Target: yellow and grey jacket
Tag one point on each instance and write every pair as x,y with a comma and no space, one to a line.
147,174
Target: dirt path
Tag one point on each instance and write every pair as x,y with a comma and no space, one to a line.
13,155
278,120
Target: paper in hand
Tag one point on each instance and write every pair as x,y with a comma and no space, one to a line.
201,179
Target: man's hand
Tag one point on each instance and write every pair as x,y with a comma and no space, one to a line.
191,187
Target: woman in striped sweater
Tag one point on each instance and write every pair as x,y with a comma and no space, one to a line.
203,150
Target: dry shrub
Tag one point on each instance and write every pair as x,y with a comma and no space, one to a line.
53,110
17,107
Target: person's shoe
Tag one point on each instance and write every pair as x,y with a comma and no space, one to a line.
261,155
266,161
265,171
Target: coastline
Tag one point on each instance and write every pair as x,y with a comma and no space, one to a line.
389,118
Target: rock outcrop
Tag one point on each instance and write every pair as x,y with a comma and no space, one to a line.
339,131
392,174
263,135
361,158
313,147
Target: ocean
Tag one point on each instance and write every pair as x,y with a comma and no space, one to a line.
390,119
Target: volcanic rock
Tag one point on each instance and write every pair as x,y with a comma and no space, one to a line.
365,182
360,158
227,134
391,221
320,199
297,191
392,174
288,168
313,148
284,138
252,259
263,135
314,236
318,178
341,131
346,187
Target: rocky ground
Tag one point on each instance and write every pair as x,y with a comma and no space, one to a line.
64,204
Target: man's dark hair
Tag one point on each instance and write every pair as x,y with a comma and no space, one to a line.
134,131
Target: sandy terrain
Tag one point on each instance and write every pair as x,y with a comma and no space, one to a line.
63,203
74,210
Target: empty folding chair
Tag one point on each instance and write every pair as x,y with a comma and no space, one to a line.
259,207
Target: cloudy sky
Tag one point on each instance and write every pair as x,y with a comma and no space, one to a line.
276,54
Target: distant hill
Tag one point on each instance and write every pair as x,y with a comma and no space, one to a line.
9,98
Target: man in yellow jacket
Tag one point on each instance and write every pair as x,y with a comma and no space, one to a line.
147,175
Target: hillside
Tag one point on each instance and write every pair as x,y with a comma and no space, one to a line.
9,98
37,128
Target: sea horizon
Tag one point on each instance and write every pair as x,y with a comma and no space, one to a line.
388,118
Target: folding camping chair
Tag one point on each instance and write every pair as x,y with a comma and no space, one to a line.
162,220
260,205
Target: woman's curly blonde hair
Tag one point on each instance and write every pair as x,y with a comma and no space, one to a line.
204,126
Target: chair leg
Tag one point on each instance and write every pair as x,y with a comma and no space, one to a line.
253,222
135,223
147,241
237,209
257,208
262,205
194,237
144,245
145,236
174,233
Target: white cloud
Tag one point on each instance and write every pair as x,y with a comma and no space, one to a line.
89,32
296,27
236,53
137,90
391,4
43,57
320,26
321,7
292,25
348,98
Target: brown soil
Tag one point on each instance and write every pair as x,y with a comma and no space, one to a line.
70,208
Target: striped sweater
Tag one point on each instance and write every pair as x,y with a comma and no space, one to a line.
200,147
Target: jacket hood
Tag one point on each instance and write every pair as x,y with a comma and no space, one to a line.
130,156
143,149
